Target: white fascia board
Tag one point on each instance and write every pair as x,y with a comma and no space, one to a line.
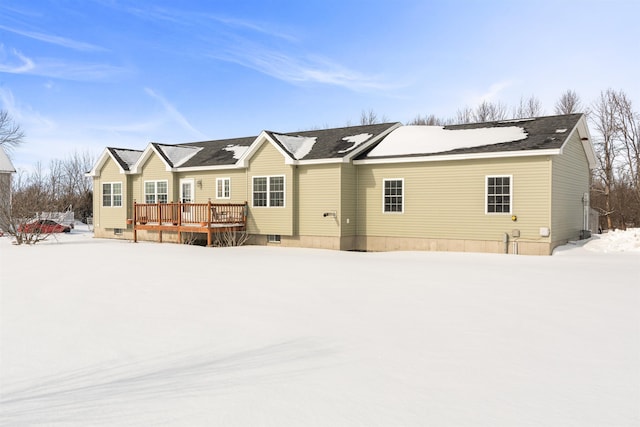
243,162
368,144
209,168
145,156
587,144
106,154
453,157
585,139
320,161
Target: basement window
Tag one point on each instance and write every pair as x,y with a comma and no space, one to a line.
273,238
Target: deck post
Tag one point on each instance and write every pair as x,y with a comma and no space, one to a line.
209,223
135,222
159,222
179,221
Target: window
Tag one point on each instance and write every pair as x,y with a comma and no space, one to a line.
268,191
499,194
112,194
223,188
156,192
393,195
273,238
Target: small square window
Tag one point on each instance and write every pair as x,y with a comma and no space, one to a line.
273,238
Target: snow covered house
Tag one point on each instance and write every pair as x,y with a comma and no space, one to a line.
6,171
517,186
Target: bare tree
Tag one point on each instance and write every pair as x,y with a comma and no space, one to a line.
628,127
427,120
486,111
464,115
604,121
371,118
27,194
569,103
11,135
530,107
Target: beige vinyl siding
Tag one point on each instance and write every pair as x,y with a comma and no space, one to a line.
349,199
154,169
208,189
318,192
268,161
447,199
109,217
571,177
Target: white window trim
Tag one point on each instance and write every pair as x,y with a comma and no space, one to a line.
155,182
284,190
383,196
486,194
228,179
112,194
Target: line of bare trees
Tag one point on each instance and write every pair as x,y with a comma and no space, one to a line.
61,186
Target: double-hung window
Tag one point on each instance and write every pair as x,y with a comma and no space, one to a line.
223,188
268,191
156,192
112,194
499,194
393,195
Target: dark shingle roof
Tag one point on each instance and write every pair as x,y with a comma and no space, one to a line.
213,153
335,143
543,133
329,144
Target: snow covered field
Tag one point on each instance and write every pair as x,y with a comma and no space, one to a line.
111,333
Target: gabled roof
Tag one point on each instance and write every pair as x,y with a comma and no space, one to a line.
124,158
322,145
5,163
224,152
533,136
378,143
336,143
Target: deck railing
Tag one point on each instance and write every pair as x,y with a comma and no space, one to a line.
178,214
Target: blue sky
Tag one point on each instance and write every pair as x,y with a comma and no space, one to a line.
82,75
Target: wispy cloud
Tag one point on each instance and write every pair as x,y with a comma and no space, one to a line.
191,19
13,61
24,115
16,62
493,91
76,71
265,47
53,39
173,113
261,28
303,69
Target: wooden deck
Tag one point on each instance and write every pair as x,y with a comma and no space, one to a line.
208,218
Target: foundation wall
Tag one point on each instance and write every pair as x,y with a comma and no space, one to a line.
382,244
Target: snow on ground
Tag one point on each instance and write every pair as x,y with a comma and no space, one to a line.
101,332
